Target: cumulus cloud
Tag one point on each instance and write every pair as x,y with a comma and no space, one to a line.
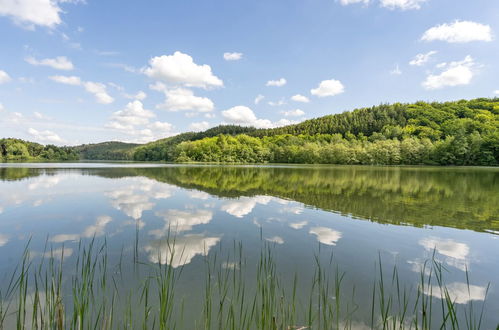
4,239
32,12
300,98
134,120
133,114
402,4
422,59
180,99
95,230
180,69
459,32
67,80
277,104
140,95
59,62
244,205
453,74
293,113
45,136
496,92
99,90
4,77
242,115
259,98
326,235
233,56
199,126
328,88
276,83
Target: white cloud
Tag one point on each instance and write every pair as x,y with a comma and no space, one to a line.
496,92
300,98
326,235
328,88
45,136
259,98
99,91
453,74
32,12
421,59
233,56
446,247
4,77
59,63
180,69
278,103
199,126
179,99
293,113
67,80
242,115
459,32
276,83
141,95
133,114
402,4
396,71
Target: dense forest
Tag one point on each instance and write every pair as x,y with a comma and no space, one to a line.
20,150
449,133
112,150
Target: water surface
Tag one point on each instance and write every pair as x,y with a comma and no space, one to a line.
403,215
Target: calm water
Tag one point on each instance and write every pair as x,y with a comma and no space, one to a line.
402,215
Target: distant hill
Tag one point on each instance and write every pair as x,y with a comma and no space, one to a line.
112,150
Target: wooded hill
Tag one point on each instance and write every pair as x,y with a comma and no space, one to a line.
464,132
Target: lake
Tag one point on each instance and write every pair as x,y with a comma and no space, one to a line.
281,238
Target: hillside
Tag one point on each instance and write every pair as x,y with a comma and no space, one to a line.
448,133
112,150
19,150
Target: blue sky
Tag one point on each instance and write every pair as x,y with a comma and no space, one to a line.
76,72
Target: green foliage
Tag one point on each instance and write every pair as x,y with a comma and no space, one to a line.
112,150
450,133
19,150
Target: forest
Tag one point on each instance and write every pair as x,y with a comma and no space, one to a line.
449,133
464,132
20,150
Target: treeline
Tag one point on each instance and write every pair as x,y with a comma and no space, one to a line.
450,133
20,150
165,149
112,150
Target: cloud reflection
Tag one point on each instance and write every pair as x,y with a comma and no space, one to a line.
456,253
181,250
325,235
97,229
179,221
244,205
460,293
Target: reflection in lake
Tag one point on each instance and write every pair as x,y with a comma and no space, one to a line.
405,216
